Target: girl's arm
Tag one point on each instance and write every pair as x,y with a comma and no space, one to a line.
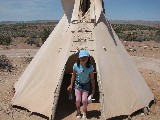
93,82
73,77
72,81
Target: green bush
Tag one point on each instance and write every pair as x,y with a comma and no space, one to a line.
122,36
45,34
5,40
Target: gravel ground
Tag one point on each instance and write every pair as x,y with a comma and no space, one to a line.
148,65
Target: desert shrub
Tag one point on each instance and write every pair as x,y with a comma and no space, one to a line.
131,27
130,37
122,36
5,40
45,34
157,36
117,29
5,64
30,41
141,38
158,33
34,41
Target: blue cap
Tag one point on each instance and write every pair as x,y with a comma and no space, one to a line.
83,53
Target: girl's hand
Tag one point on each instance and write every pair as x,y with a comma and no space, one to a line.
69,88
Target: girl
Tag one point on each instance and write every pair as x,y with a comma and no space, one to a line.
82,74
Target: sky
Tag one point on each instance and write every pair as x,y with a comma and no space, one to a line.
28,10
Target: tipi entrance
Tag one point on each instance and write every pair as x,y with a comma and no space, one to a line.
66,108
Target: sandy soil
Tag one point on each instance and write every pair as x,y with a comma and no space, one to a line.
66,111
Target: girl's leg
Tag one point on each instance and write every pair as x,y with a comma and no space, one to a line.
78,98
84,101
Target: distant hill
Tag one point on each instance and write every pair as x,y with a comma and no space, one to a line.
135,22
21,22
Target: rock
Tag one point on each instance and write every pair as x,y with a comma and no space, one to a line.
145,47
155,47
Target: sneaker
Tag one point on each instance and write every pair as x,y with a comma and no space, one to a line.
78,115
84,116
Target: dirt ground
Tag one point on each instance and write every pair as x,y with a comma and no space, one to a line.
66,111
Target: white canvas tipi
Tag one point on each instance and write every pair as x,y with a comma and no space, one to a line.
83,26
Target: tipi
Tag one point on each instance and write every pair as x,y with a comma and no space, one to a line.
83,26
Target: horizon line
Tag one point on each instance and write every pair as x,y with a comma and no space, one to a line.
60,19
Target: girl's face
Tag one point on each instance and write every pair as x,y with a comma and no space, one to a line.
84,59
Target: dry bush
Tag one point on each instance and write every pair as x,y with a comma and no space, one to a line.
5,64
